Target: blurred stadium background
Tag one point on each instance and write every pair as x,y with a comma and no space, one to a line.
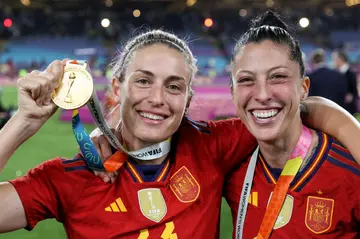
35,32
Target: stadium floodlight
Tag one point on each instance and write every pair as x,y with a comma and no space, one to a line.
243,12
208,22
25,2
190,3
108,3
7,22
136,13
105,22
304,22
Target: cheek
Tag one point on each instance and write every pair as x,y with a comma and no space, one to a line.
241,96
177,104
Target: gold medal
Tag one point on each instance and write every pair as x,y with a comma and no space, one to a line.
75,89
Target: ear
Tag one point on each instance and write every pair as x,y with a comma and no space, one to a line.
305,86
116,85
188,102
232,93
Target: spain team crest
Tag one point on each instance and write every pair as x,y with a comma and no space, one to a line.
184,185
319,212
152,204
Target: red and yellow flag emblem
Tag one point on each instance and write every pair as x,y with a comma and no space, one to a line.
184,185
319,212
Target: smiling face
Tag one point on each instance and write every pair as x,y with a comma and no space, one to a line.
154,94
267,89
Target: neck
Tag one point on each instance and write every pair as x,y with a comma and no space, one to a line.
133,143
277,152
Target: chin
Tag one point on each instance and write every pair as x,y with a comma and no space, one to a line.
151,135
266,135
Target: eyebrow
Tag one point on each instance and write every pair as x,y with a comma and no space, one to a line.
271,69
171,77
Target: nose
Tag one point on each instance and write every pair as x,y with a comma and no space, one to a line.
156,96
262,92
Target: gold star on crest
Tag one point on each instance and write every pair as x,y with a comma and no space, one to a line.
319,192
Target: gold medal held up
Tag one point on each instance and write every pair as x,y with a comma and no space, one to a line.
76,87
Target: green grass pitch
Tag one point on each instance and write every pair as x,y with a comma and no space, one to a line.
55,139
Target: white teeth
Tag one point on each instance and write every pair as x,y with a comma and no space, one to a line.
262,114
152,116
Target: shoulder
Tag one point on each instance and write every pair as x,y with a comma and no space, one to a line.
230,127
62,169
340,157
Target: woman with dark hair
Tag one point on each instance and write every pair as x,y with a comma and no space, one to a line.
299,182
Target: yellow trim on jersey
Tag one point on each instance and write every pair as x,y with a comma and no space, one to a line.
313,166
133,170
161,176
267,170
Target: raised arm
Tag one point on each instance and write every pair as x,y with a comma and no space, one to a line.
329,117
34,109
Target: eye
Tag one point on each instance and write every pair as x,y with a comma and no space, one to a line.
278,76
245,81
142,81
174,88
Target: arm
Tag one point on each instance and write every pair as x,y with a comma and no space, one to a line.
12,213
327,116
14,133
35,108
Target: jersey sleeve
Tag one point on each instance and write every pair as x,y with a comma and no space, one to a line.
232,142
45,192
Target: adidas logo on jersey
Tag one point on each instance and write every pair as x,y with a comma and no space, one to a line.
253,199
117,206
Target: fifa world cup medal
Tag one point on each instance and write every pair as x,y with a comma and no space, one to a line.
75,89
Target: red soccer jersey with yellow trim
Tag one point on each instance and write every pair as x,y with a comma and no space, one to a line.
322,201
182,202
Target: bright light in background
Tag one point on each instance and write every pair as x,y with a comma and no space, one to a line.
350,3
105,22
136,13
25,2
190,3
269,3
108,3
7,22
208,22
243,12
304,22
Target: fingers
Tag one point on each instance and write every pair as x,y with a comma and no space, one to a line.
40,85
106,177
102,145
105,148
63,62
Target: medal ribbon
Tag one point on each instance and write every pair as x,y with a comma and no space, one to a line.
289,172
88,149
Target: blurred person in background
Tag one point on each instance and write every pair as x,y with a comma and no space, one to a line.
341,62
326,82
177,195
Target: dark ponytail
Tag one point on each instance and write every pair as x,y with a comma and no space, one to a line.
269,26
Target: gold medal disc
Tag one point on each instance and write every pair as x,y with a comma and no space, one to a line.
75,89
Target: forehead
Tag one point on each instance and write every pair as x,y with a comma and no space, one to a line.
161,60
263,55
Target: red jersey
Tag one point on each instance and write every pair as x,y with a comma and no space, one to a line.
322,201
183,202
